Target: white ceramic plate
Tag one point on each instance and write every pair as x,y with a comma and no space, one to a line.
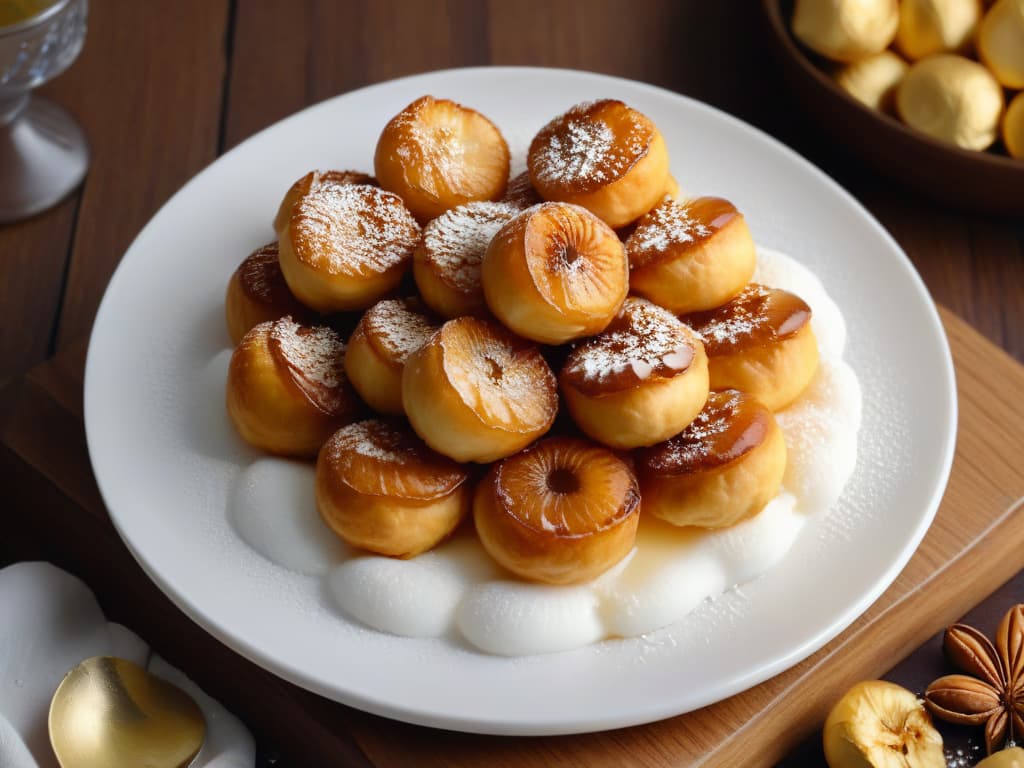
164,453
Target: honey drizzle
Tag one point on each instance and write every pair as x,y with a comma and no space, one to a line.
671,228
644,341
731,425
758,316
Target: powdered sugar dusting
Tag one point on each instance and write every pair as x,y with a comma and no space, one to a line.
581,150
439,150
455,242
371,439
399,326
353,229
667,225
458,594
730,324
730,329
385,458
318,179
695,443
644,338
578,153
315,356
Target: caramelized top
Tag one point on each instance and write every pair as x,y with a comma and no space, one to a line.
731,424
445,150
588,147
643,342
352,229
520,192
498,375
576,261
758,316
314,180
313,357
378,458
260,278
398,327
671,229
566,487
455,242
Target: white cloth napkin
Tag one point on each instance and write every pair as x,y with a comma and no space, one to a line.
49,622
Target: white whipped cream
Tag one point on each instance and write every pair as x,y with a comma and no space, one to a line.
456,591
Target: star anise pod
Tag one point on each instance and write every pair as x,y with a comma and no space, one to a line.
992,690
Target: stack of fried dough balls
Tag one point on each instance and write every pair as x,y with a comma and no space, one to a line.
418,331
953,69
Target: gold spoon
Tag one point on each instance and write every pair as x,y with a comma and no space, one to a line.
111,713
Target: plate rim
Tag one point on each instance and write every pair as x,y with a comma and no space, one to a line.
524,726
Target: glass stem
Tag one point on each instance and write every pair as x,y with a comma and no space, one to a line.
11,108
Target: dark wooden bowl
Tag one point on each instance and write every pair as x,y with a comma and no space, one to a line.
979,181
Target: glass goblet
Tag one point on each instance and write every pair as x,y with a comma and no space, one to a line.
43,152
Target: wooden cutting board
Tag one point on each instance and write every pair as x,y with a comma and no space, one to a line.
974,545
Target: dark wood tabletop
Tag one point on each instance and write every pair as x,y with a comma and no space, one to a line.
162,89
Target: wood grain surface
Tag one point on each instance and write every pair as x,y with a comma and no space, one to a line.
973,546
147,89
162,88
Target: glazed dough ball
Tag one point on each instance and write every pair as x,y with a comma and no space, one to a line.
1001,42
936,26
873,81
845,30
1013,127
952,99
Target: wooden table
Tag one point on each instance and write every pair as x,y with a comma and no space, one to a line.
162,90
